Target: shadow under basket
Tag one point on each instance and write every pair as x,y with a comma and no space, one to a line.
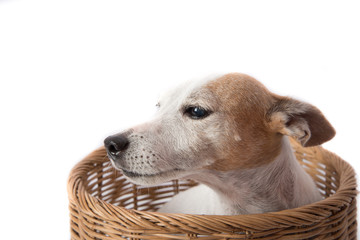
104,205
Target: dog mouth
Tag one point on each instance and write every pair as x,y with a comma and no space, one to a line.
135,175
149,179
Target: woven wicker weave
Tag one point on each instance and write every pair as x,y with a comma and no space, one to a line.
104,205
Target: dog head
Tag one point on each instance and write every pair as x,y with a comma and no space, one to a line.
226,123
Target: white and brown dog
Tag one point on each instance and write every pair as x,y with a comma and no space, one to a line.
230,134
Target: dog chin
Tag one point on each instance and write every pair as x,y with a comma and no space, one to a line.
152,179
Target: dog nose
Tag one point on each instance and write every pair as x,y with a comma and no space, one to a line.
115,144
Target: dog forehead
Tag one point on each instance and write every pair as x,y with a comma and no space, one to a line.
234,88
227,90
193,92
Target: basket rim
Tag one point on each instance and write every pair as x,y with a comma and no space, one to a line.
305,215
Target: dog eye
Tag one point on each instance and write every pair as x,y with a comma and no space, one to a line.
196,112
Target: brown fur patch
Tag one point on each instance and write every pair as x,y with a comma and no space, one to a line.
245,101
260,118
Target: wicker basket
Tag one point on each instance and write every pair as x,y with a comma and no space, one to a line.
104,205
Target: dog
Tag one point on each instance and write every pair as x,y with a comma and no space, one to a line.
230,134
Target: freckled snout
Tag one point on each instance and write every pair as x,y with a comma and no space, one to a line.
115,144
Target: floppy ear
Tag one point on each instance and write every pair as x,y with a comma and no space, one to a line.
300,120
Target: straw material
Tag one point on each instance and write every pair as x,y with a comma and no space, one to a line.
104,205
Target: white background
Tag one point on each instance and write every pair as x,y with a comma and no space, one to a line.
72,72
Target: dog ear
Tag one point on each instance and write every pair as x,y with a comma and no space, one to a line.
300,120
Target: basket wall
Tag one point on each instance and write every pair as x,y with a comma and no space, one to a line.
104,205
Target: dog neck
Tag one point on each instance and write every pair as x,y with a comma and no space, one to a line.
278,185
